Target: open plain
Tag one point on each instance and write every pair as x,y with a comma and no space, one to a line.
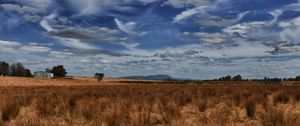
112,102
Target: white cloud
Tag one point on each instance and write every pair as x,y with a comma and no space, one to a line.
180,54
32,18
125,27
41,4
207,37
21,9
90,7
75,43
45,22
35,49
245,29
186,3
4,44
245,49
291,30
188,13
19,48
217,21
294,6
275,14
128,27
290,24
69,42
61,54
147,1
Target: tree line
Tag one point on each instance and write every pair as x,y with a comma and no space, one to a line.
265,80
16,70
239,78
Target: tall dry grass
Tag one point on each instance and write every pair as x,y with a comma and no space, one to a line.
147,105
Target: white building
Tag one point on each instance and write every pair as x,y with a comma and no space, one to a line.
43,74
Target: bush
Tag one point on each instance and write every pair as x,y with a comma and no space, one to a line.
297,97
273,117
281,98
250,106
9,110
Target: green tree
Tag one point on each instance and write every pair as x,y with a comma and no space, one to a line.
28,73
237,78
12,70
4,68
99,76
59,71
20,70
227,78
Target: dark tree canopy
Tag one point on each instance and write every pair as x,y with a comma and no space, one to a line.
227,78
28,73
17,70
20,70
13,70
4,68
99,76
237,78
268,80
59,71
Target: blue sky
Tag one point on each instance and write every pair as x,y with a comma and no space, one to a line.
199,39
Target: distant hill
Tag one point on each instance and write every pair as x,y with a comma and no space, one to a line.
151,77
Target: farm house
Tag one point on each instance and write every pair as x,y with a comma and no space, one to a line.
43,74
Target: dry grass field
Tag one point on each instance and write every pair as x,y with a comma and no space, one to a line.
84,101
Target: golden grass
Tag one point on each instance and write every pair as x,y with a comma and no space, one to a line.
90,103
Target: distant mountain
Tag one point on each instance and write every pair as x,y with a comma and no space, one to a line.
151,77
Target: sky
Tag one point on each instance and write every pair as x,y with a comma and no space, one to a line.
197,39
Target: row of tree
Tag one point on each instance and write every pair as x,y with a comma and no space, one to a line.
16,69
229,78
239,78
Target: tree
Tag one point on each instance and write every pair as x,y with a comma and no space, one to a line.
268,80
4,68
13,70
20,70
227,78
28,73
99,76
237,78
297,78
59,71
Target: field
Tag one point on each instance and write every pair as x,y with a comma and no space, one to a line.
117,102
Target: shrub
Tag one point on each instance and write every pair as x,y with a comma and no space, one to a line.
273,117
250,107
9,110
297,97
202,105
281,98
